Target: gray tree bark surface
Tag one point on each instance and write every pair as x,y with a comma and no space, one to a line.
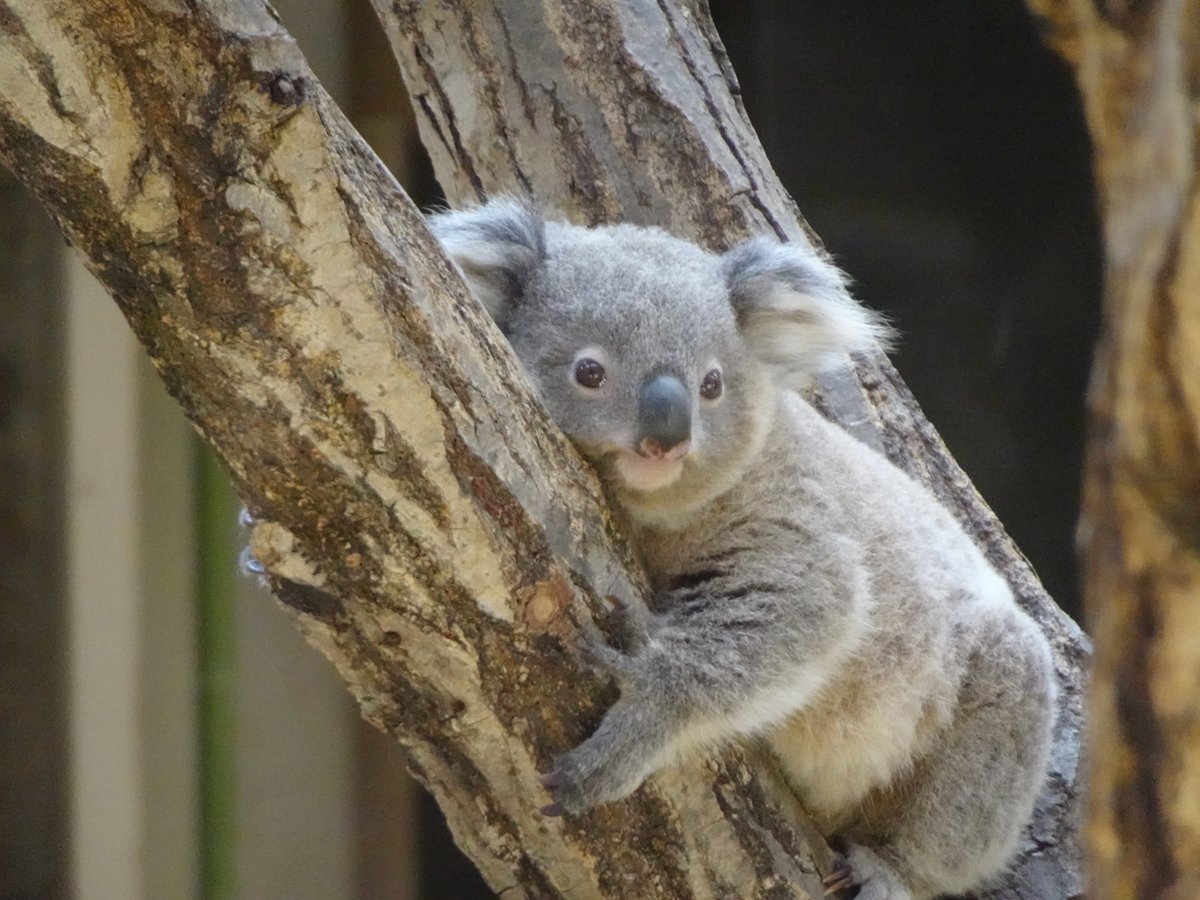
429,529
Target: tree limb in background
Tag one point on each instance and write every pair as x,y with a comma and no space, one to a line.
1138,69
423,521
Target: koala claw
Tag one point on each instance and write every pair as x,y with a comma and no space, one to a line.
597,771
876,880
566,789
840,879
599,655
552,780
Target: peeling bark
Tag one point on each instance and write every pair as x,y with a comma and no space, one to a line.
430,531
1138,68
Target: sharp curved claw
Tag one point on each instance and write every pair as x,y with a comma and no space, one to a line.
552,779
596,653
840,879
553,810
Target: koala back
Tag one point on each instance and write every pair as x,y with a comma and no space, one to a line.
928,664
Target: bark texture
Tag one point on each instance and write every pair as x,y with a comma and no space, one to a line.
1138,68
432,534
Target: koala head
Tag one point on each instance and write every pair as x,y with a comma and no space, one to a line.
662,361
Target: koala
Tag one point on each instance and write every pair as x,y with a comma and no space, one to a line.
807,594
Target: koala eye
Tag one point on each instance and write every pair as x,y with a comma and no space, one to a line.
589,373
711,386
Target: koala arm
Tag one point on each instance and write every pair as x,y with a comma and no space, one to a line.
733,650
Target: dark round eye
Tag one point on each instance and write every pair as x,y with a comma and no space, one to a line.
589,373
711,387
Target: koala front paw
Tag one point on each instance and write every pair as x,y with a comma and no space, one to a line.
607,659
599,770
629,623
581,780
631,630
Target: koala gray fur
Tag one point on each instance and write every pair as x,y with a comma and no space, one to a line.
808,594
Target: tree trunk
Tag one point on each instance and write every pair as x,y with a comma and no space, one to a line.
1138,68
426,525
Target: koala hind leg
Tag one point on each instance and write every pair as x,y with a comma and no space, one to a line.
864,869
974,790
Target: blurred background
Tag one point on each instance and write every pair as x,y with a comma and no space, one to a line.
164,730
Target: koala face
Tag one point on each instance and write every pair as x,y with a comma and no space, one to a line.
635,348
659,359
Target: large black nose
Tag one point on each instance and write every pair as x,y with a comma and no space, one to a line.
664,416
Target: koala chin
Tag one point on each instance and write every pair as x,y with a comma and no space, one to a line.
639,473
808,594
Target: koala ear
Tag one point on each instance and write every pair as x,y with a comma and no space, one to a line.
497,246
794,310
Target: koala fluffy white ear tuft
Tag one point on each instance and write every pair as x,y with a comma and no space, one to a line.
497,246
794,310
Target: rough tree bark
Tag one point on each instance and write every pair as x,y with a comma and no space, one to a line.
1138,68
429,530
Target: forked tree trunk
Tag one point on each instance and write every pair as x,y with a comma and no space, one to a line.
431,532
1138,68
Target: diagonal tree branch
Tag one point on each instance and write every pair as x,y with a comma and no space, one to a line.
426,525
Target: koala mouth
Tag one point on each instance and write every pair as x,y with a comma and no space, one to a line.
646,473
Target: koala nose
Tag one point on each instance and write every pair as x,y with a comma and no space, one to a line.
664,418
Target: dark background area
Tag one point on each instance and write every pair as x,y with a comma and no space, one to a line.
33,791
939,150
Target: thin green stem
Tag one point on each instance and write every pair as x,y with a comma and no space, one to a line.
216,512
